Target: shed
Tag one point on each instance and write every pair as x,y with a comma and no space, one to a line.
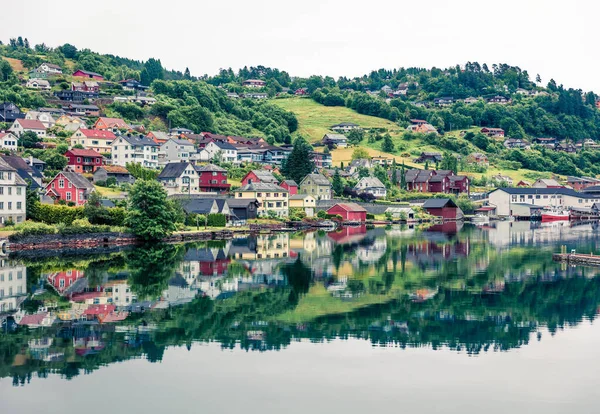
444,208
397,212
349,211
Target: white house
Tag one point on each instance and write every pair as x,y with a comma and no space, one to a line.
176,150
137,149
44,117
13,285
49,68
371,185
8,141
41,84
224,150
20,126
12,194
505,199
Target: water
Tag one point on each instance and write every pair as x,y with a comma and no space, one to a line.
447,319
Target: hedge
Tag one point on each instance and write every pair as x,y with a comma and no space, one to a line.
55,214
217,220
29,228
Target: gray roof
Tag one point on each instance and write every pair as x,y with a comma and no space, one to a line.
78,180
318,179
210,167
342,124
224,145
534,191
290,182
263,187
335,137
139,140
182,141
240,202
173,170
265,176
370,182
299,196
198,205
439,203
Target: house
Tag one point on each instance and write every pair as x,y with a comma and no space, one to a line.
565,147
506,200
13,283
399,212
254,83
29,174
223,151
70,187
119,173
49,68
444,208
478,158
35,163
545,142
499,99
134,148
205,206
471,100
212,179
20,126
358,164
581,183
179,178
88,74
290,185
272,198
44,117
438,183
371,185
83,110
9,112
259,176
316,185
158,136
179,131
344,127
13,190
423,128
321,159
546,183
523,183
443,101
176,150
8,141
256,95
301,92
305,202
383,161
113,124
515,143
493,132
75,96
335,141
66,120
250,155
85,86
40,84
418,121
132,85
459,184
242,209
142,100
239,140
431,157
83,160
502,178
348,211
93,139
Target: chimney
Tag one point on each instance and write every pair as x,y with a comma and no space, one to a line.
31,161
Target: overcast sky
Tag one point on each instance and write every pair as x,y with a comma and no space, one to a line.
554,38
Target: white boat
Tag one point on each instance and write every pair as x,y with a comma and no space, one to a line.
480,218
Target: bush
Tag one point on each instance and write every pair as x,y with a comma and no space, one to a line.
81,226
101,183
30,228
322,214
297,214
217,220
54,214
370,216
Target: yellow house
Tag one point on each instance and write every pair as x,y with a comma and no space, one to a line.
94,139
271,197
316,185
305,201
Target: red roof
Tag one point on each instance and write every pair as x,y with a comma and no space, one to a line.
83,152
348,207
486,209
96,133
114,122
99,309
34,319
31,124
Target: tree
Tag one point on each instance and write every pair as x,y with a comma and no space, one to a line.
152,70
337,183
360,153
29,139
299,163
68,50
355,136
5,70
54,160
538,79
94,211
387,145
151,215
141,173
449,162
402,178
186,74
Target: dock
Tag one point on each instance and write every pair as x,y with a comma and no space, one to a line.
577,258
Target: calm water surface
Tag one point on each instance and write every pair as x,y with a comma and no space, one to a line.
450,319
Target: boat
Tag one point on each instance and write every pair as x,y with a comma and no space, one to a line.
480,218
555,214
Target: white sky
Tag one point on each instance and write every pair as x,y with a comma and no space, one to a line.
554,38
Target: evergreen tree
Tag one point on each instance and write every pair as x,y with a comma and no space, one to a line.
150,215
403,177
394,174
426,165
299,163
186,74
387,145
337,184
152,70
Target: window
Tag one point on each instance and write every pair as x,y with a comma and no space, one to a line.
240,195
68,197
78,159
19,204
10,205
19,190
259,194
1,205
70,185
61,183
1,190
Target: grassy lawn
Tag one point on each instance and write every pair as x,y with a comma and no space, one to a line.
109,192
15,64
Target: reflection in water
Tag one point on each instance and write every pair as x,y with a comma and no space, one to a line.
470,289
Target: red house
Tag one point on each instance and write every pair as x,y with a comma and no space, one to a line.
349,211
83,160
439,183
110,123
459,184
70,187
493,132
259,176
444,208
62,280
212,179
87,74
290,185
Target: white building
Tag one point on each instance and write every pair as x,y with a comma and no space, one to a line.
8,141
49,68
13,285
138,149
176,150
504,198
12,194
179,178
371,185
20,126
41,84
44,117
217,149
